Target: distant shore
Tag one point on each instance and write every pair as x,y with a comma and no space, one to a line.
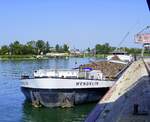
36,57
17,57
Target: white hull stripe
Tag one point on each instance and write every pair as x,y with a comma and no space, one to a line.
51,83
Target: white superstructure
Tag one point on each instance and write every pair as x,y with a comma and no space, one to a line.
122,56
61,73
66,79
127,58
69,74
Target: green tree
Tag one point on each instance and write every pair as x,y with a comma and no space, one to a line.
32,43
16,48
65,48
57,48
88,49
31,47
98,48
47,47
106,48
40,45
103,49
4,50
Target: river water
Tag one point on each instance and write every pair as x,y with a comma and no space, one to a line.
14,108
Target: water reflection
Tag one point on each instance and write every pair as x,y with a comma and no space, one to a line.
75,114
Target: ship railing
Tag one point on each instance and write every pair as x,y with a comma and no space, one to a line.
53,77
57,71
49,70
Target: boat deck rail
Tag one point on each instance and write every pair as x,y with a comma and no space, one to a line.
48,70
27,77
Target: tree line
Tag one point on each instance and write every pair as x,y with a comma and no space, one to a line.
32,47
42,47
106,49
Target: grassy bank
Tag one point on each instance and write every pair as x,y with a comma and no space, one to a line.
15,57
34,57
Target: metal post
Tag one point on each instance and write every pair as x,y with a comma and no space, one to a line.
142,53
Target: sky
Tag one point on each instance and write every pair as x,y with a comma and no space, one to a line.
78,23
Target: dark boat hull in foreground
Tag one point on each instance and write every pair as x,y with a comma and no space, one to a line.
55,92
62,97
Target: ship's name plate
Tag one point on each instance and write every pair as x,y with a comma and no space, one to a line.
87,83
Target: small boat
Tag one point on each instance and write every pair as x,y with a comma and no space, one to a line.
120,55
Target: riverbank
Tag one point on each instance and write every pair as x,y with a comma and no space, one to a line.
54,55
36,57
18,57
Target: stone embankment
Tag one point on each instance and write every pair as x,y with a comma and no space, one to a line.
128,100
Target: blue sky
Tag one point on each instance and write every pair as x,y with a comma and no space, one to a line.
79,23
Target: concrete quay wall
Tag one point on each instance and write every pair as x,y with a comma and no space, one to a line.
133,88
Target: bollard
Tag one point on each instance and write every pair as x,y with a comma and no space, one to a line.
135,109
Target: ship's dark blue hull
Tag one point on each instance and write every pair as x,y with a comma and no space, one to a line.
63,97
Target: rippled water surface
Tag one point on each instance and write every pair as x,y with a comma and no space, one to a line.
13,107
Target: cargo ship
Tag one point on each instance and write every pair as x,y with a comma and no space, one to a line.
69,87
